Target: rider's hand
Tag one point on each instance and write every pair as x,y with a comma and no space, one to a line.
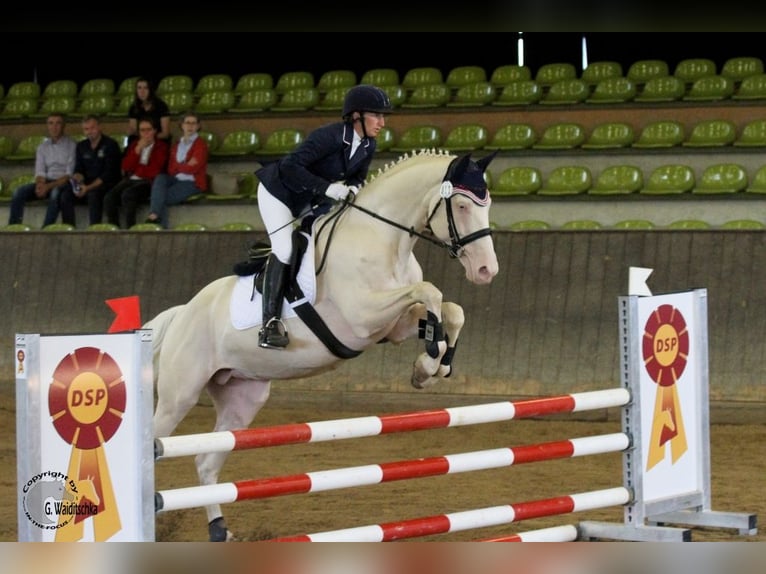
339,191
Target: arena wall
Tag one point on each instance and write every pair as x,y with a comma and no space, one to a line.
547,325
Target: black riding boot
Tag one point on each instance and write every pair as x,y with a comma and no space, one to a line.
273,334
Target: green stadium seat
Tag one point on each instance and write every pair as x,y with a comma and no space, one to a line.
385,139
214,83
215,102
508,73
332,99
710,89
473,95
618,180
565,135
466,137
417,138
571,91
421,76
519,93
59,227
99,105
661,89
97,87
190,226
567,180
237,226
637,224
428,96
581,224
299,79
549,74
601,70
254,81
23,90
65,105
179,102
661,134
612,91
19,108
689,224
296,100
104,226
122,106
26,148
255,100
690,70
127,88
518,180
59,88
743,224
513,136
712,133
739,68
757,181
16,227
530,225
721,178
381,77
210,138
464,75
753,134
669,179
146,226
175,83
396,94
237,142
7,146
641,71
334,79
281,141
610,135
751,88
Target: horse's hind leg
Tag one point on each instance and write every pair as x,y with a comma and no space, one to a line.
236,403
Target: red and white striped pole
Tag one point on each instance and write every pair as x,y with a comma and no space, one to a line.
479,518
196,496
225,441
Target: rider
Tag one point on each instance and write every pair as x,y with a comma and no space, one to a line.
332,162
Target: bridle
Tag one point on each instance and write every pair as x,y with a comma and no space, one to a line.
456,245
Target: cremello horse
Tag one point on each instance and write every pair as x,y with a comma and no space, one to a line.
369,288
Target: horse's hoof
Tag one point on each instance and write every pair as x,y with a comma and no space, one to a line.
217,530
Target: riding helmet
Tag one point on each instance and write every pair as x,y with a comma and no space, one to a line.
366,98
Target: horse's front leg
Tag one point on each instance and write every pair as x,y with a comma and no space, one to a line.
427,371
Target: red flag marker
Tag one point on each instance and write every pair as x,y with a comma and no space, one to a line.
128,311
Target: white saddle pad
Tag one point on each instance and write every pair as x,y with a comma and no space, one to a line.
246,313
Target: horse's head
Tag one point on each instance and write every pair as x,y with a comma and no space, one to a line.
464,222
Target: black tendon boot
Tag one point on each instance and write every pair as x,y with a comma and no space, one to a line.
273,334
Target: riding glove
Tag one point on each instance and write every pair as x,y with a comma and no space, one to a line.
339,191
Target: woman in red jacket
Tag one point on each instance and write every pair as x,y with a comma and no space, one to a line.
187,172
145,158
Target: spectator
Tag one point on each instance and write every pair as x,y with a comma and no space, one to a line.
186,175
148,103
54,164
145,158
96,170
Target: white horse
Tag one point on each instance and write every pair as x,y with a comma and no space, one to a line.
369,289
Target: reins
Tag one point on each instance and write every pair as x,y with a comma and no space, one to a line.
454,247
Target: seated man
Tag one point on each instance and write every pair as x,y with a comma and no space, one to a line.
54,165
96,171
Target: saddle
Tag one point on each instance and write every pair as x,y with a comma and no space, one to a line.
258,253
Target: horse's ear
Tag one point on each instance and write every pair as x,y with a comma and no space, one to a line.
459,165
485,161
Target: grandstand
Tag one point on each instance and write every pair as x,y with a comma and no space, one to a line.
694,146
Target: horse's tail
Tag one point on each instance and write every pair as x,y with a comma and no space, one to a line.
159,326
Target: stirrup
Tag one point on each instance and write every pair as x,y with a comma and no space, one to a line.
273,335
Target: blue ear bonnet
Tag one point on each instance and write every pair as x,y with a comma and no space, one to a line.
467,178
